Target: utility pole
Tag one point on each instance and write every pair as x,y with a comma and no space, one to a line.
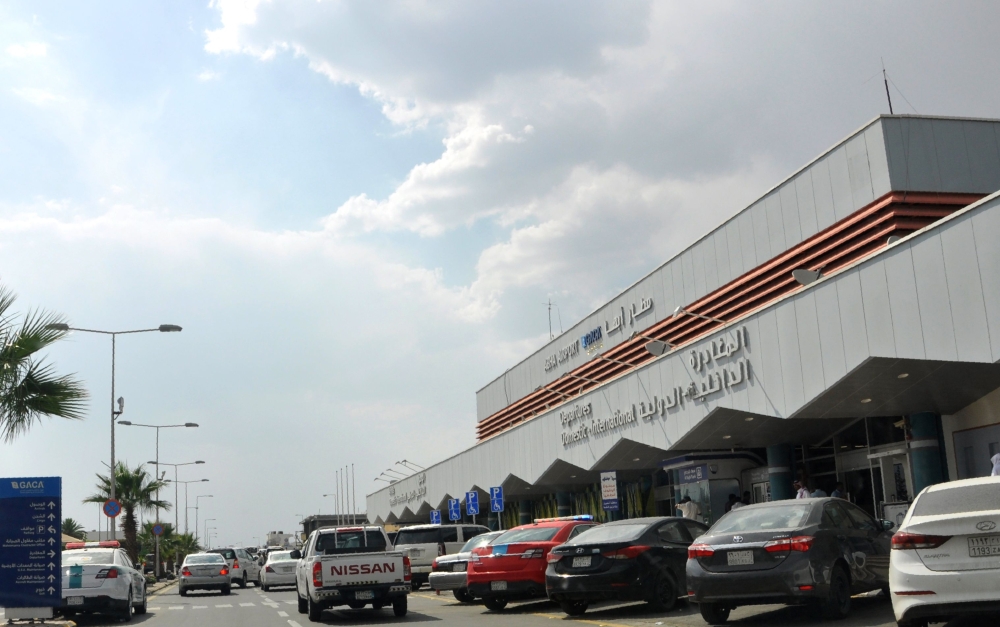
885,79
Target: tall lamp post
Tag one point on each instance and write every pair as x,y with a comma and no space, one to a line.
177,523
336,510
196,511
186,507
208,520
157,462
163,328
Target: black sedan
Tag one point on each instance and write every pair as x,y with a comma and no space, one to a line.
641,559
809,551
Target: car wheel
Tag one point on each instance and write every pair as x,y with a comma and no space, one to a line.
126,612
182,592
145,597
574,608
463,596
303,607
243,582
838,600
664,593
399,607
314,610
714,614
264,587
414,585
227,590
495,604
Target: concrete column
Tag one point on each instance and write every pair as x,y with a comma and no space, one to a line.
779,470
564,504
925,453
524,515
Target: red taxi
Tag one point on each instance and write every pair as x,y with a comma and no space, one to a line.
513,566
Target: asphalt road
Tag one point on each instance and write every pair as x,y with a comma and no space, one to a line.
277,608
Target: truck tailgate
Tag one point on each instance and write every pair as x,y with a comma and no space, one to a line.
360,569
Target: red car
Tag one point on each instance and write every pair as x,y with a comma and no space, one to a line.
513,566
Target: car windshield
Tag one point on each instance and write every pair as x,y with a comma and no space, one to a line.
229,554
609,533
204,559
530,534
418,536
71,558
478,541
763,518
965,499
279,556
357,541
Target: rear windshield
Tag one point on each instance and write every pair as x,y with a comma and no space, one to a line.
973,498
70,558
531,534
609,533
789,516
229,554
204,559
478,541
427,536
350,542
279,556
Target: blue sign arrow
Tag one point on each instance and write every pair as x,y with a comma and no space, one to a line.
454,509
435,517
30,543
496,499
472,503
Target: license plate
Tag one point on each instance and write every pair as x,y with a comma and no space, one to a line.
362,595
739,558
984,546
581,562
74,601
459,567
498,586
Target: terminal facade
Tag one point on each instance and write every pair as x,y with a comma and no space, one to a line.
844,328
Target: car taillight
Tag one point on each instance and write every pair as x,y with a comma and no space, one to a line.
318,575
268,569
553,557
798,543
236,564
628,553
407,573
902,541
696,551
224,571
434,565
533,554
107,573
186,572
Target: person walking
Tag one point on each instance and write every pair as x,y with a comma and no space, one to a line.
996,465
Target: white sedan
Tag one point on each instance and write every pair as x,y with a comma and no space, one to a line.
278,570
100,577
945,560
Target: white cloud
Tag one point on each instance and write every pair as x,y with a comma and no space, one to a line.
28,49
208,75
35,96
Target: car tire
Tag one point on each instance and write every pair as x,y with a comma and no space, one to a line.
415,585
182,591
303,607
714,614
495,604
243,582
227,590
264,587
462,595
837,604
574,608
663,596
142,608
126,612
314,611
399,607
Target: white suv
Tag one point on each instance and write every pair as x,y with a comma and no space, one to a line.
424,543
243,568
945,560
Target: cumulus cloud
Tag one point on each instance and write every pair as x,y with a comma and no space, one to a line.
28,49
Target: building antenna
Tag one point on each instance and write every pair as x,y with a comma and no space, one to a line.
549,303
885,79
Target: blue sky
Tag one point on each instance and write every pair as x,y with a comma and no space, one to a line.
357,209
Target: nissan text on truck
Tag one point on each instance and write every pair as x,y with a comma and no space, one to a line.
350,566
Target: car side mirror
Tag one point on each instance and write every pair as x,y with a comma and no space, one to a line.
296,554
887,525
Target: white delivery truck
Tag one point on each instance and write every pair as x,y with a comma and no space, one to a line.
350,566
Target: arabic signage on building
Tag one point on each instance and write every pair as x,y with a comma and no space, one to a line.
560,356
609,491
593,340
693,474
410,495
30,542
628,316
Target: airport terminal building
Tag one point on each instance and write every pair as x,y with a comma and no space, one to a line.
845,328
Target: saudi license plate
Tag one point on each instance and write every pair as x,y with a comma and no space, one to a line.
459,567
581,562
498,586
739,558
364,595
984,546
74,600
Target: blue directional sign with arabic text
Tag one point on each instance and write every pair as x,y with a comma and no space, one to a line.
435,517
454,509
496,499
30,541
472,503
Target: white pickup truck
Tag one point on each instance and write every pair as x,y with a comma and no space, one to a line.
350,566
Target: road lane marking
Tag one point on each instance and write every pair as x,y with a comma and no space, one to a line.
176,607
283,614
246,604
290,602
153,608
293,623
225,605
199,607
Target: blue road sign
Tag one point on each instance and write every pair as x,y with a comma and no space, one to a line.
157,530
435,517
472,503
496,499
454,509
30,541
112,508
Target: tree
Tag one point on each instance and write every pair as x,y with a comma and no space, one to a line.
72,528
136,490
29,387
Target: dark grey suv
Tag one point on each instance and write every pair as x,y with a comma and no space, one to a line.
807,551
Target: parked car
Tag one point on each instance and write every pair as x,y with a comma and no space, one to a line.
945,560
808,551
450,572
100,577
642,559
204,571
423,543
243,568
279,570
512,567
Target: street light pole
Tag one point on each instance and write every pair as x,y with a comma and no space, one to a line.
188,507
163,328
197,511
207,520
177,523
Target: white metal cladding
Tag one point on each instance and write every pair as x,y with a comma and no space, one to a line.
891,153
934,295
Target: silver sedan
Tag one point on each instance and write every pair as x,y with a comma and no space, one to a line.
204,571
278,570
449,571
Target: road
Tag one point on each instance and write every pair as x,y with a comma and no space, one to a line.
277,608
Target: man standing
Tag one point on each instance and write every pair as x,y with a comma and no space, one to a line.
733,500
801,492
838,491
688,508
744,502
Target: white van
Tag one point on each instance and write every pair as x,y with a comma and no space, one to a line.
423,543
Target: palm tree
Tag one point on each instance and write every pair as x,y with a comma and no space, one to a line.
183,544
29,387
136,490
74,529
147,542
